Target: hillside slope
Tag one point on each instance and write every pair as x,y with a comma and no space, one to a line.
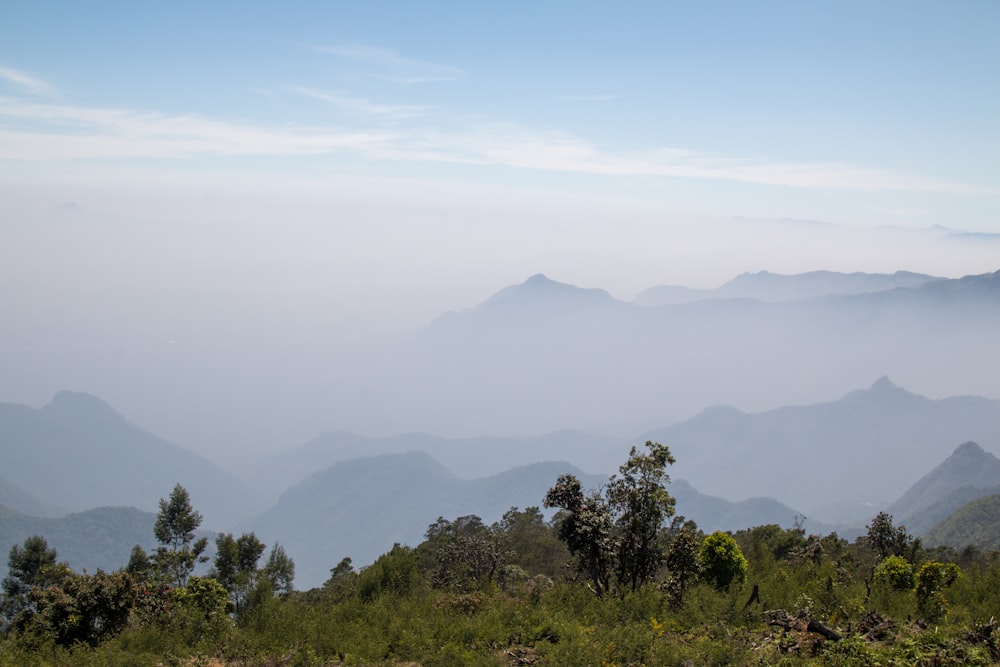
818,457
77,452
969,473
98,538
976,523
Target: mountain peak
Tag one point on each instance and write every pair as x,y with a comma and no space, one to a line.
80,405
540,289
884,384
969,467
969,449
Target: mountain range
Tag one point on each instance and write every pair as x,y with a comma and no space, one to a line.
766,286
358,506
828,459
544,356
594,375
465,457
100,538
78,453
968,474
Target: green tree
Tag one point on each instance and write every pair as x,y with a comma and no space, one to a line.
533,543
29,567
139,565
84,608
618,532
721,561
638,497
393,573
682,561
235,565
888,540
279,570
343,581
175,528
203,598
586,526
464,554
932,578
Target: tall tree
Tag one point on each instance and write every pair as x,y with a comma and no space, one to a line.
681,559
534,545
888,540
30,566
175,528
618,532
280,569
464,553
585,525
639,499
235,565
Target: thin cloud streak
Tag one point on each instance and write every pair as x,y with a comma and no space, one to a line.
361,105
390,66
584,98
54,132
81,133
26,81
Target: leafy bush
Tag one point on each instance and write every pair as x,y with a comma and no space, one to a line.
897,572
721,561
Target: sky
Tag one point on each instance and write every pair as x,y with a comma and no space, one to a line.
338,169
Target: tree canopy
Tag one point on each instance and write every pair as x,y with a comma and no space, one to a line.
175,528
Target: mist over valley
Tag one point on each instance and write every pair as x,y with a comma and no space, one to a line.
542,354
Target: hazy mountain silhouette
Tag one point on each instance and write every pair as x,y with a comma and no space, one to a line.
542,356
546,297
466,457
712,513
77,452
766,286
819,457
360,508
15,498
969,473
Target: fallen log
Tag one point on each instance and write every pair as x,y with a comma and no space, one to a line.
801,623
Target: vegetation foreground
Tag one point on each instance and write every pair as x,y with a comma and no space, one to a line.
615,578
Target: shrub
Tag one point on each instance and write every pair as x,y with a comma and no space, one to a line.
721,561
895,571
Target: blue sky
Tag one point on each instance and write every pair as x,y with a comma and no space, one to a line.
608,144
187,186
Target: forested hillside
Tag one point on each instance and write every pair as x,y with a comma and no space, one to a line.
615,577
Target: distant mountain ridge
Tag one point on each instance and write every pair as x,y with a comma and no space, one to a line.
542,356
480,456
815,456
15,498
361,507
969,473
98,538
79,453
766,286
976,523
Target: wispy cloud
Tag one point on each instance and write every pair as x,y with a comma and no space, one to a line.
56,132
26,82
584,98
390,66
39,131
362,105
